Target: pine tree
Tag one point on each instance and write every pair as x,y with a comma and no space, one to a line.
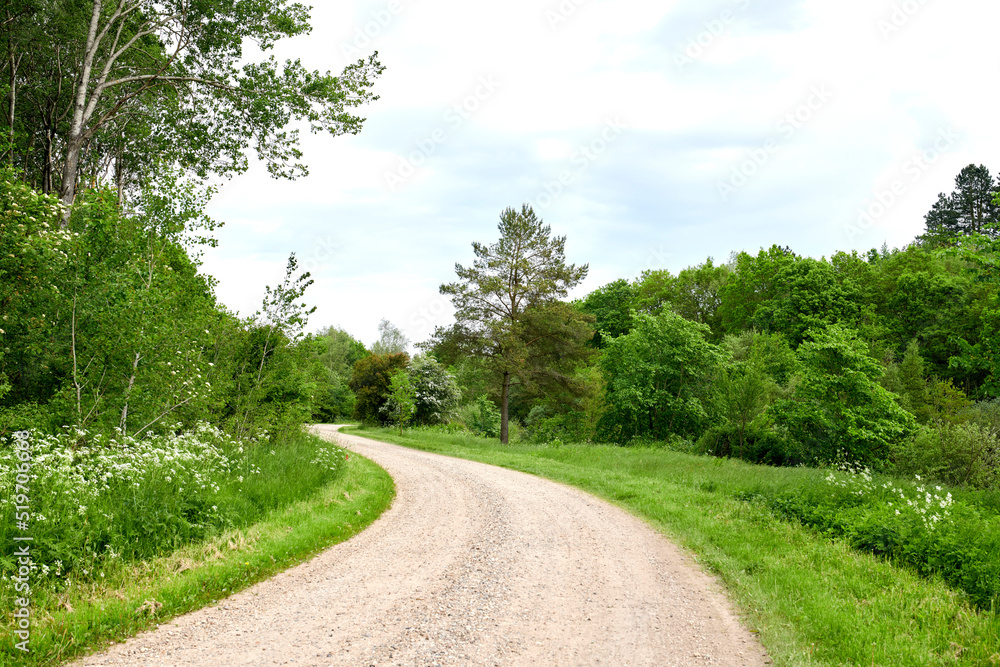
970,209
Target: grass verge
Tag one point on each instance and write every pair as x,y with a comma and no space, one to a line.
88,616
812,600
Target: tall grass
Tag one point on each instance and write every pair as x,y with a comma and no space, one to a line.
175,520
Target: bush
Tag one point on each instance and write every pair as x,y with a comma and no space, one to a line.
837,407
760,445
370,380
541,426
658,378
485,418
960,454
436,393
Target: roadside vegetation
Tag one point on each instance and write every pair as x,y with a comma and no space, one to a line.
815,594
152,457
111,559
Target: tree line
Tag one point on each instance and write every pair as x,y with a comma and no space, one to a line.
884,358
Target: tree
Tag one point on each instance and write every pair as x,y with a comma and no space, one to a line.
694,294
969,209
751,379
370,382
658,378
436,393
517,279
391,339
400,402
838,408
754,281
612,306
174,80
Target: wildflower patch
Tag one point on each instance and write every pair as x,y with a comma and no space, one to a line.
912,523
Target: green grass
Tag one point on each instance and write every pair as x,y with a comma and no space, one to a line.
88,616
811,600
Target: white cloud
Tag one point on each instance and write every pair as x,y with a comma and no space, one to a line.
650,200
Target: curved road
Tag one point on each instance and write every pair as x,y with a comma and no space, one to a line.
472,565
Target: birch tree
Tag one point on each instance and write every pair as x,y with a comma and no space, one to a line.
174,78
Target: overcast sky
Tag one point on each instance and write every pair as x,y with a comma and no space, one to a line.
652,134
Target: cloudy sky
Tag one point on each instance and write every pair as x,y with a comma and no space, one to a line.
652,134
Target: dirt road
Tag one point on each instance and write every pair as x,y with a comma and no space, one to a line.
472,565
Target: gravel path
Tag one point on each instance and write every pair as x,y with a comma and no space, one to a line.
472,565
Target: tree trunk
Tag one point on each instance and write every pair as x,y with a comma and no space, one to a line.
75,140
504,400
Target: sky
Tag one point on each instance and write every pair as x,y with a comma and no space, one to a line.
652,134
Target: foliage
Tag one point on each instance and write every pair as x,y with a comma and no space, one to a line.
612,306
694,294
391,340
658,378
507,313
400,401
371,378
755,443
436,392
964,454
331,355
485,418
837,407
101,499
112,87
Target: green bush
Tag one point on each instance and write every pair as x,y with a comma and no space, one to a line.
961,454
542,426
485,418
837,407
760,445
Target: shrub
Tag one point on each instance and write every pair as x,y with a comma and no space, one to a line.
913,523
485,418
658,378
961,454
370,380
436,393
760,445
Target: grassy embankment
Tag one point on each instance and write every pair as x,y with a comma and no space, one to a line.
812,599
279,509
